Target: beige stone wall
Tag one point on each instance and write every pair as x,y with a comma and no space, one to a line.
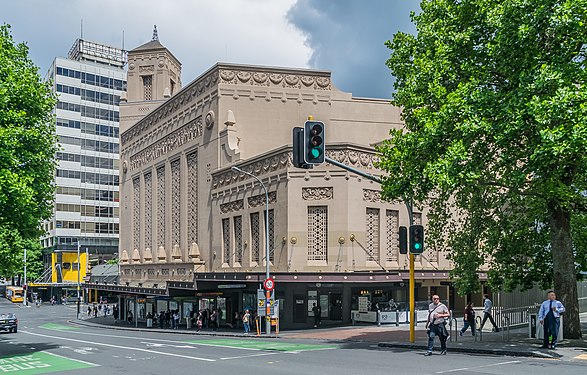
243,116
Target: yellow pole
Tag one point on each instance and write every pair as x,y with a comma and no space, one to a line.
412,300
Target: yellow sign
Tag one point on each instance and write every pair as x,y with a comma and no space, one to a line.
261,302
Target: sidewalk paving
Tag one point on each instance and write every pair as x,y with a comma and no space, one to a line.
391,336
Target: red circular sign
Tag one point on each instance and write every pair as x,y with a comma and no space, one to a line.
269,284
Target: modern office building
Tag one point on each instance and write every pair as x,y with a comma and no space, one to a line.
88,84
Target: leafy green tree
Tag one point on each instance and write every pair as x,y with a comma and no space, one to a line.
27,153
494,101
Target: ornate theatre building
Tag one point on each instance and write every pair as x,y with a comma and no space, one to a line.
193,230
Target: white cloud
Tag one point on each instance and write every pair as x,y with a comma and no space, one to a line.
199,33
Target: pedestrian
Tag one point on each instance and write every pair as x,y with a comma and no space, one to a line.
549,316
162,319
129,316
115,313
95,311
176,319
89,310
469,319
247,322
199,320
487,306
214,320
436,324
317,311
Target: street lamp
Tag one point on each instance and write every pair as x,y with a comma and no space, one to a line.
267,275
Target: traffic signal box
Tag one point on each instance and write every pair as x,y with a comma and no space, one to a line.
416,239
403,240
298,149
314,138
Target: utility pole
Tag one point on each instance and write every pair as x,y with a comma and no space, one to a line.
24,302
78,278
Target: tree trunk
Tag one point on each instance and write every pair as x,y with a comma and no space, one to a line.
564,272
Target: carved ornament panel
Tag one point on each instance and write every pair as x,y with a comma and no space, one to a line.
317,193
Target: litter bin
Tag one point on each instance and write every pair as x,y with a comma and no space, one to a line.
532,321
188,322
149,323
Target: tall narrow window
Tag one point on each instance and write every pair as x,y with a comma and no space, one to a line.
226,240
161,206
238,239
148,87
255,243
271,227
136,212
372,233
175,202
391,230
317,232
192,161
148,209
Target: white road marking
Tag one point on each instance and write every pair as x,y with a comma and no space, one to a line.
71,359
167,345
477,367
122,347
249,356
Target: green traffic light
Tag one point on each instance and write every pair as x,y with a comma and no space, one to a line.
417,246
315,152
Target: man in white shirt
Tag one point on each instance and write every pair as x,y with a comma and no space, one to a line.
437,311
487,306
549,316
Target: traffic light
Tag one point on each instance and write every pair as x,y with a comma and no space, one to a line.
403,240
416,239
314,139
298,149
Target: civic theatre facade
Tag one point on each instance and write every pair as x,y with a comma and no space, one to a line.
192,230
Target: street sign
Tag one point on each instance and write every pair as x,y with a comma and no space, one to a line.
269,284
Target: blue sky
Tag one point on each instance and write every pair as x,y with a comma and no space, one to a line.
344,36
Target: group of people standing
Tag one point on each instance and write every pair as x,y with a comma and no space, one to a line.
548,315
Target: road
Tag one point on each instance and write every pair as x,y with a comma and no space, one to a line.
47,342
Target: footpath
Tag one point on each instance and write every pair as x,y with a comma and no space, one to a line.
516,342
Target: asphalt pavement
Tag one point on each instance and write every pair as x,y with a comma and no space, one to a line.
515,342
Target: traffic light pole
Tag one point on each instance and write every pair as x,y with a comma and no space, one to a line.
354,170
412,286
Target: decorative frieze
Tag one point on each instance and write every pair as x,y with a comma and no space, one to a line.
232,206
259,200
372,195
354,158
274,79
317,193
169,143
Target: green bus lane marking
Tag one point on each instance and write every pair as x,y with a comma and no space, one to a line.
58,327
262,345
39,363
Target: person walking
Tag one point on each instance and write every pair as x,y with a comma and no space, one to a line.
436,324
487,306
469,320
317,311
246,322
549,316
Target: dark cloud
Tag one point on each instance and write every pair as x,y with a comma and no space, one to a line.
347,37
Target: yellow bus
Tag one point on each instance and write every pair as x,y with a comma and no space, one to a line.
14,293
